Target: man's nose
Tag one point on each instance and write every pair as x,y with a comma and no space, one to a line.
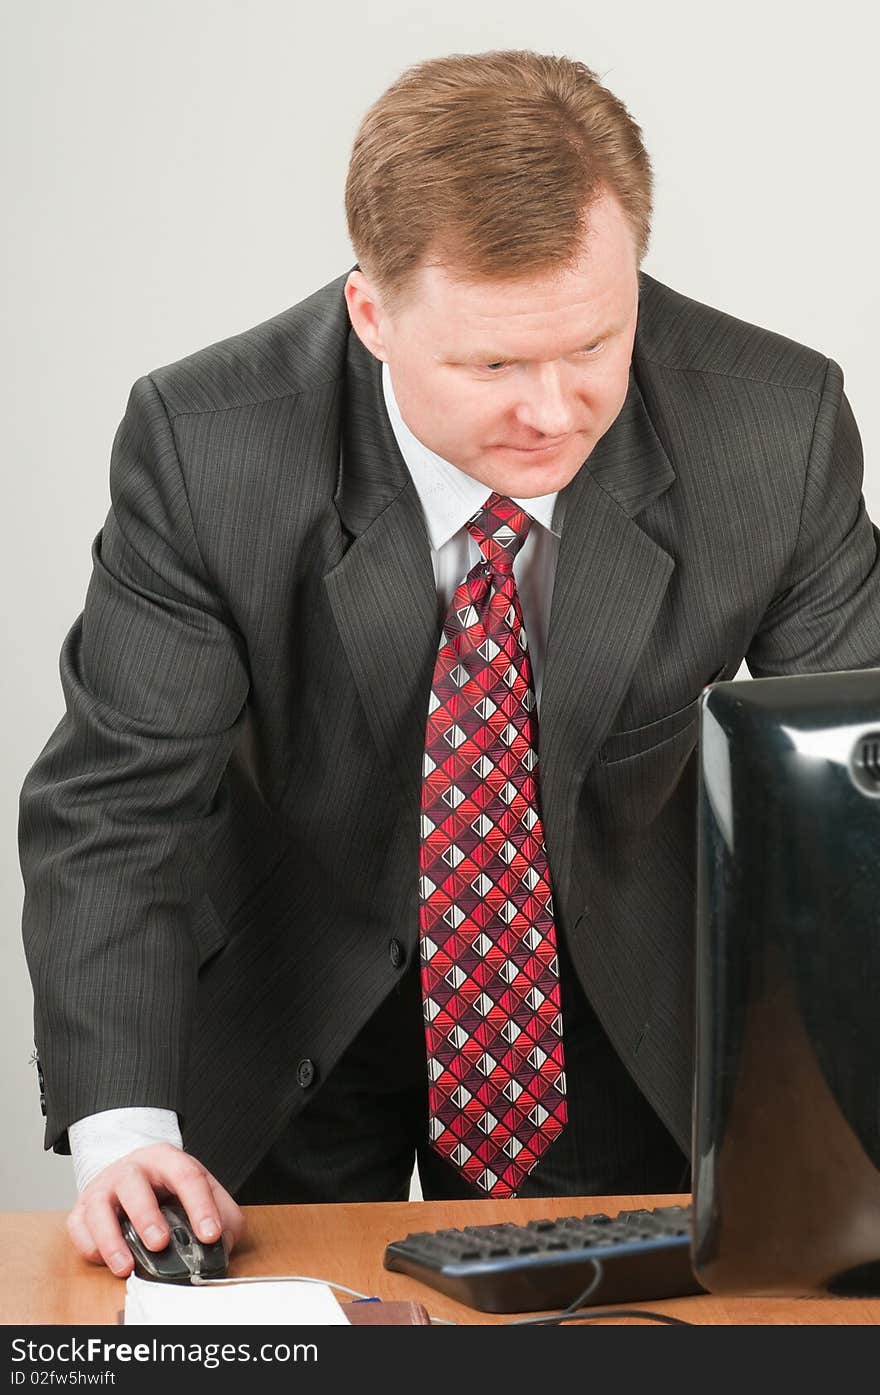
545,405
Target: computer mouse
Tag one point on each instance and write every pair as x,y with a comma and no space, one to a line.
184,1255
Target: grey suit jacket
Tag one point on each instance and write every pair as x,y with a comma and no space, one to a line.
219,841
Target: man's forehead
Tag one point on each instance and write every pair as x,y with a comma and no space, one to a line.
594,301
525,296
439,288
526,321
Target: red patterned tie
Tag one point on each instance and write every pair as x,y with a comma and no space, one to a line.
489,971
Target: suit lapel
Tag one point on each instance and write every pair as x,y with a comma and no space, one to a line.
610,580
382,592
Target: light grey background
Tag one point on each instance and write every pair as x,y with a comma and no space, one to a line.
174,174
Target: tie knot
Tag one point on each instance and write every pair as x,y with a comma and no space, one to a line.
500,528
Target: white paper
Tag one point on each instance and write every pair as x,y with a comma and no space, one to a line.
283,1302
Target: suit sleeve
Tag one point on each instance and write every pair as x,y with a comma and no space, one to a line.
117,811
826,616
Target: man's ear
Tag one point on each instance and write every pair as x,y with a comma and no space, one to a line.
365,313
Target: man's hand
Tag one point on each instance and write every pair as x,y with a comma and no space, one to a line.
136,1184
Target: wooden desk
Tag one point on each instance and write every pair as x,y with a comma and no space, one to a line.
43,1280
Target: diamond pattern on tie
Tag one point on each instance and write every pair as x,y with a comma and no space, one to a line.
489,970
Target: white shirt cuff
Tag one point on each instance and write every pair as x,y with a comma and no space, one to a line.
103,1138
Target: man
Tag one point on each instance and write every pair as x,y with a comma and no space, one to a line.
301,899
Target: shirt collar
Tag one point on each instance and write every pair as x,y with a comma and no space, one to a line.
449,496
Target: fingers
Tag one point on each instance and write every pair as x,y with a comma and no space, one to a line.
95,1224
139,1202
207,1203
231,1214
187,1179
80,1234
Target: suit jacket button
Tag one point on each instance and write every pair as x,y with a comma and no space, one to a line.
305,1073
396,951
43,1106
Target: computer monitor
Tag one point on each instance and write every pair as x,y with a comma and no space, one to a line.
787,1092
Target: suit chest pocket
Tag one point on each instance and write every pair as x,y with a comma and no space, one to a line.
631,792
636,741
208,930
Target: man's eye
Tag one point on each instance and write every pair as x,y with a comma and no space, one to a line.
502,363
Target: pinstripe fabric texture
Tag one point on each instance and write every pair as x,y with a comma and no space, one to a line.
219,841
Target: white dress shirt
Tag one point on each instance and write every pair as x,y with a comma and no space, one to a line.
448,497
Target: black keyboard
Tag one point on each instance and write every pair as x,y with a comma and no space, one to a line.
547,1264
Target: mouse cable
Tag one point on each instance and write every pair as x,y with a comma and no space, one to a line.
199,1282
276,1279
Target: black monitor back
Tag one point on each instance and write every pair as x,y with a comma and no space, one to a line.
787,1097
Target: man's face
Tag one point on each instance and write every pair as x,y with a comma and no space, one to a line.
513,382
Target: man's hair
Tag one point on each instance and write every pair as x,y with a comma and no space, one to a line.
490,162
